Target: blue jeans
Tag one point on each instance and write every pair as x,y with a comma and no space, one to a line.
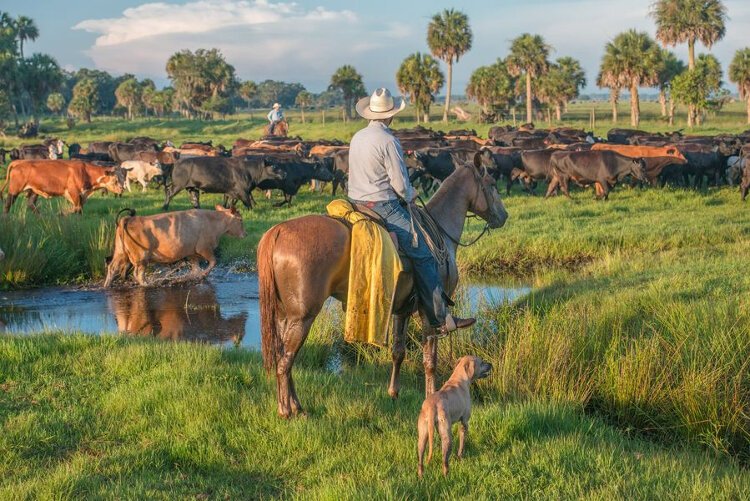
426,277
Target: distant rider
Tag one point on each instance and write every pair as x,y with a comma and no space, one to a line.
274,116
378,180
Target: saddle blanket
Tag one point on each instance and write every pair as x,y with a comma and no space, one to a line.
373,275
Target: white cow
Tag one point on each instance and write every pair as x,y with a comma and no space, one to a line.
143,172
2,255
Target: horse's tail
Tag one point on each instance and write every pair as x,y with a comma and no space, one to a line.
269,300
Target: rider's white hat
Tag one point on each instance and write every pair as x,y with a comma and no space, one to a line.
276,105
380,105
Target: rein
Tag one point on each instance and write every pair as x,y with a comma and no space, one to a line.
430,219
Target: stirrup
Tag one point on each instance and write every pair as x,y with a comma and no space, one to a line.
444,330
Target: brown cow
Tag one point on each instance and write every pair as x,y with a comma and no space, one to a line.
170,237
656,157
324,150
72,179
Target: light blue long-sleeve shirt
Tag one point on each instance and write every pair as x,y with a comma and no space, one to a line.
377,171
275,115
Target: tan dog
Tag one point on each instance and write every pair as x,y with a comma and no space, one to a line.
450,404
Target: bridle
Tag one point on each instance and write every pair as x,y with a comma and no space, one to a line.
481,186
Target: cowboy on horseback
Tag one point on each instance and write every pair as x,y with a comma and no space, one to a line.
274,117
379,181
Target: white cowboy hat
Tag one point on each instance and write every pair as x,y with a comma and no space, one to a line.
380,105
276,105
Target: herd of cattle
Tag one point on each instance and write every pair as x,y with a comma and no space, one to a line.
524,155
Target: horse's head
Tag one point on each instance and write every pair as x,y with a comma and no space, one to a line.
486,201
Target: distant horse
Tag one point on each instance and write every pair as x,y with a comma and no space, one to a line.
304,261
281,129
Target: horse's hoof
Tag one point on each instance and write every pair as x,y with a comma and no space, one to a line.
393,393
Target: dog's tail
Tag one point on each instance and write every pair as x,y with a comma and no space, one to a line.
271,343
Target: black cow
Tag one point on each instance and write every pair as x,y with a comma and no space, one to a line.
120,152
101,147
297,172
433,166
622,136
536,167
93,157
145,142
603,169
702,161
506,160
235,177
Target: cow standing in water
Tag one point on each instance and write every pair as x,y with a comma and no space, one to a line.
168,238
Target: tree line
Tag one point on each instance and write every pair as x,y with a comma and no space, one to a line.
204,84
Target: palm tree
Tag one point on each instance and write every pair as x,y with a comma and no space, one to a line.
420,78
670,68
680,21
528,56
561,84
349,82
739,73
634,60
449,37
574,77
25,30
55,102
248,90
303,100
611,80
39,75
491,86
129,94
85,99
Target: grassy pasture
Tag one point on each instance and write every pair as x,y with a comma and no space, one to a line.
116,418
623,374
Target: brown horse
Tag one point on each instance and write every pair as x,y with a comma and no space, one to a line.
280,130
303,261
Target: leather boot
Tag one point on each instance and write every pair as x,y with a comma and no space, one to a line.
453,323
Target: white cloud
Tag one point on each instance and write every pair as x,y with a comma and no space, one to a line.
262,39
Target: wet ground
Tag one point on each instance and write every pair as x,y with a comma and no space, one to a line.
221,310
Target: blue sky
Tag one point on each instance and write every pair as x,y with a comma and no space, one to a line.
307,40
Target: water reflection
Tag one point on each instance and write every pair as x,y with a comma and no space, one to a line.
223,310
190,313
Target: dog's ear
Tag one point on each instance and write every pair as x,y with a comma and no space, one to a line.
469,366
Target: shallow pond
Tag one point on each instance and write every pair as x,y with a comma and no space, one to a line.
221,310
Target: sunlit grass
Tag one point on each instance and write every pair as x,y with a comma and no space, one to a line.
111,417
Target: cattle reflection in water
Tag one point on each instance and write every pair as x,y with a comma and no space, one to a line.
187,313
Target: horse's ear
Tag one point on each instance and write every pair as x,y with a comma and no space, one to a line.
478,160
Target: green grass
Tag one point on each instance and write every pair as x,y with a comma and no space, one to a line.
623,374
116,418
